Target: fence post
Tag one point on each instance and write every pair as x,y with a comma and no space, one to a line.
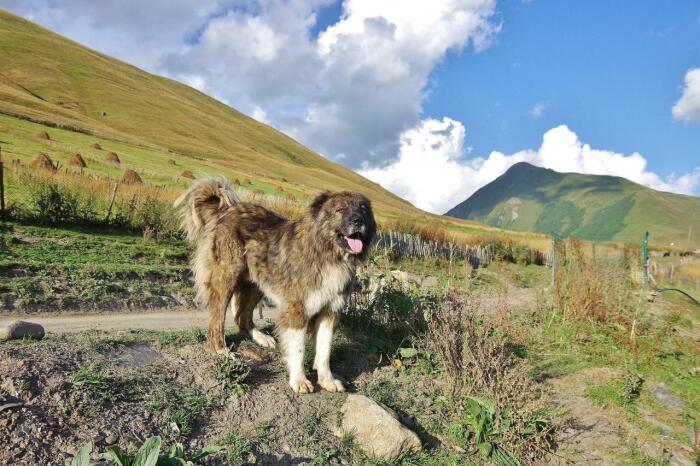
553,257
2,186
645,257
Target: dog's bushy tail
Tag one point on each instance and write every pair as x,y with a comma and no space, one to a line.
202,203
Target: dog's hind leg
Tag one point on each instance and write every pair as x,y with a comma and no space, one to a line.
219,291
324,325
243,303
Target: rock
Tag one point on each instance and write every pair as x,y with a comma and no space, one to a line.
19,329
111,439
376,429
666,396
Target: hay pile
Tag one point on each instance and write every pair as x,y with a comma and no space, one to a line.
95,145
76,160
131,177
112,158
43,135
43,161
187,174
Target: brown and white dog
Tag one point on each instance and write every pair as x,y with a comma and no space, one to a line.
305,267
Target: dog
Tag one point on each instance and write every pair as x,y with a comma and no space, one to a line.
306,267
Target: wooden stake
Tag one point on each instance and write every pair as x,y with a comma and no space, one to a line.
2,187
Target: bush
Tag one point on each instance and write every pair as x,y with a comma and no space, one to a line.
494,408
54,204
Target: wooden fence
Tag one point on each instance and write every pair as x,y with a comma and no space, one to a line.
402,245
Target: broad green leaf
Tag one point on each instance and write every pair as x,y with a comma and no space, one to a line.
408,352
82,458
148,453
485,449
117,456
206,451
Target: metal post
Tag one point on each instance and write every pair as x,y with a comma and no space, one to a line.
2,186
553,257
645,257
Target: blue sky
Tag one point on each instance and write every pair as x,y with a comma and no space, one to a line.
610,70
432,99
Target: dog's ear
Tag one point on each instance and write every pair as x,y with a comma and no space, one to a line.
317,203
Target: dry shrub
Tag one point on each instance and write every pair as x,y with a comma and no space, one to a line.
67,197
236,182
96,145
248,181
43,135
477,355
187,174
280,188
592,287
112,158
427,232
76,160
131,177
43,161
171,162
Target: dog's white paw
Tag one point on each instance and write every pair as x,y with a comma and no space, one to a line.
331,385
301,386
263,339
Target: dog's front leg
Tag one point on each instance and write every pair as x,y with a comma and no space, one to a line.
292,335
324,326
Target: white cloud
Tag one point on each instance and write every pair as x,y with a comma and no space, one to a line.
348,92
688,107
537,111
433,173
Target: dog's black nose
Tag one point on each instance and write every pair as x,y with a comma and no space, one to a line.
357,221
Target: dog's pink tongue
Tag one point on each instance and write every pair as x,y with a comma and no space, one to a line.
355,244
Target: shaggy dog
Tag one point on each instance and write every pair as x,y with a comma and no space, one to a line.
306,267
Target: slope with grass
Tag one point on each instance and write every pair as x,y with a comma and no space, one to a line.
590,207
49,79
92,104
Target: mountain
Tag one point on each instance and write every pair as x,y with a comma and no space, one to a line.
591,207
158,126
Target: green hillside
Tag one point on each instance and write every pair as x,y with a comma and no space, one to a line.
48,80
591,207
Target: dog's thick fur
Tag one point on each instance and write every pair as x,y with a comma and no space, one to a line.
306,267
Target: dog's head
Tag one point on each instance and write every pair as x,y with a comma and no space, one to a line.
348,220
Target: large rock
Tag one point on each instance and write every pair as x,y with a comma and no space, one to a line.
19,329
376,429
666,396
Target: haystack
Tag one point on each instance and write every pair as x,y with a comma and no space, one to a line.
42,161
187,174
43,135
95,145
131,177
171,162
112,157
76,160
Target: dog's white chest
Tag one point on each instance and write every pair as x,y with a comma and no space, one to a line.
330,293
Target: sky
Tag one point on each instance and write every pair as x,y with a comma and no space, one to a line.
431,99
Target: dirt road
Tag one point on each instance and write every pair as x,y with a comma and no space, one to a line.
133,320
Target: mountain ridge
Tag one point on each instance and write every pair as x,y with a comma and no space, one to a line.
590,207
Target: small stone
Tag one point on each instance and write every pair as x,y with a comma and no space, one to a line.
666,396
20,329
111,439
376,428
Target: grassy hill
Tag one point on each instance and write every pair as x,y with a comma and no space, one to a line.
160,128
591,207
51,80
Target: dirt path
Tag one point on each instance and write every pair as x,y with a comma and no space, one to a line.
133,320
